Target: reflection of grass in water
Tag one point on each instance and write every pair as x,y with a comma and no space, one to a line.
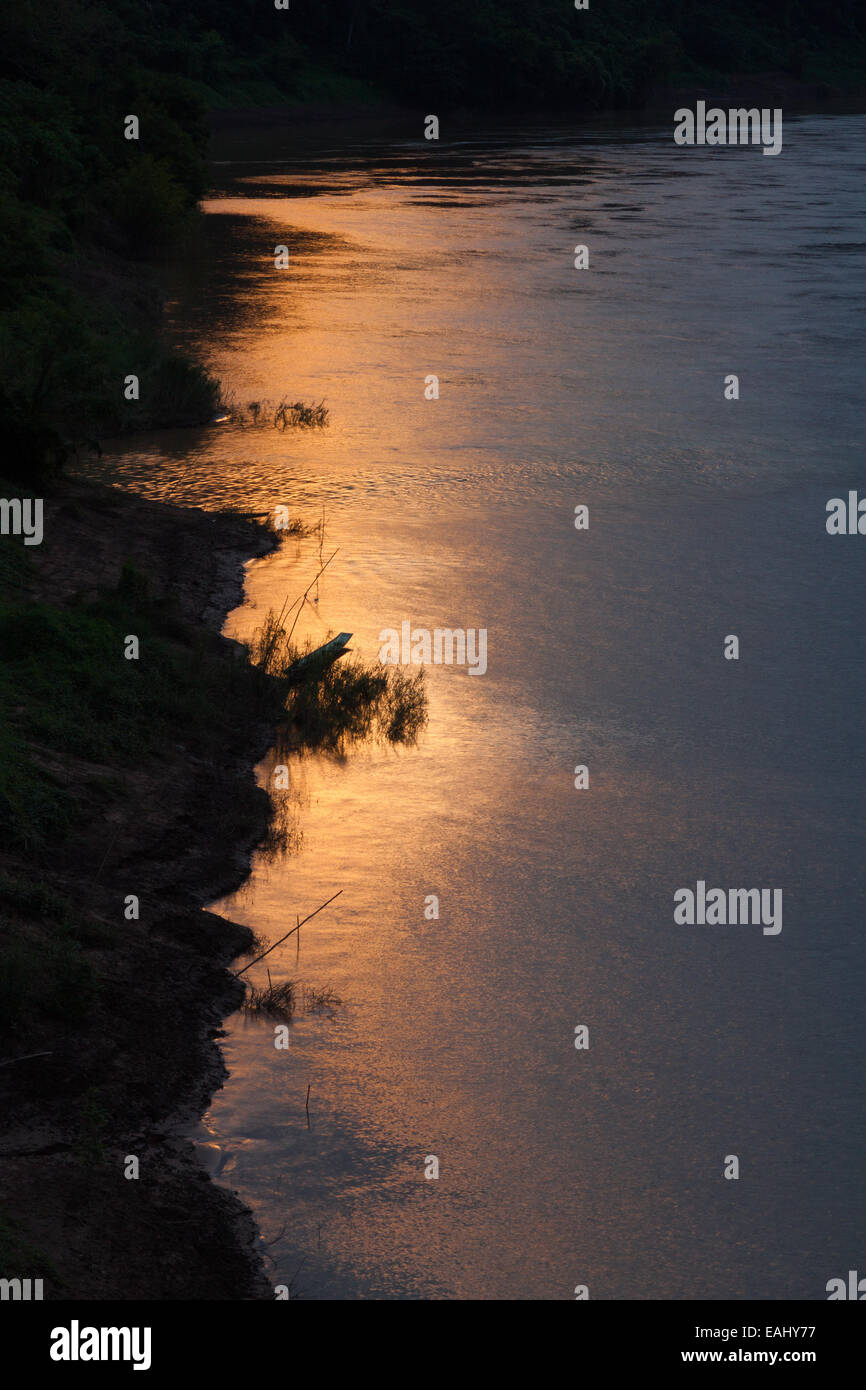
286,999
294,526
284,415
273,1001
343,702
278,526
318,999
284,835
350,701
328,706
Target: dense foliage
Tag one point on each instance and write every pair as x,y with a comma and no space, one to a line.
526,53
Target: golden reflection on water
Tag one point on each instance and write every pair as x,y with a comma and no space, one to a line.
455,1037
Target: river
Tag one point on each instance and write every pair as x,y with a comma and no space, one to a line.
602,1166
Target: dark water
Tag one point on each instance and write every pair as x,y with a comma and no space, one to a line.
558,387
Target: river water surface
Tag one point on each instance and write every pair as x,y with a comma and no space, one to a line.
558,387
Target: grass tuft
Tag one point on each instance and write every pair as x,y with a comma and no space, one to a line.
283,415
286,999
273,1001
345,702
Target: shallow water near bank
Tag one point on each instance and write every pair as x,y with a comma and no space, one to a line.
557,1167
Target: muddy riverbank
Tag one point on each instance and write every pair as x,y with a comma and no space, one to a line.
110,1019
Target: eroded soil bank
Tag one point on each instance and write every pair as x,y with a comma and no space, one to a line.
129,778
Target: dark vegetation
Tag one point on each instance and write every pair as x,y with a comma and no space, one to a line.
82,209
513,55
75,715
341,702
282,416
120,777
288,998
